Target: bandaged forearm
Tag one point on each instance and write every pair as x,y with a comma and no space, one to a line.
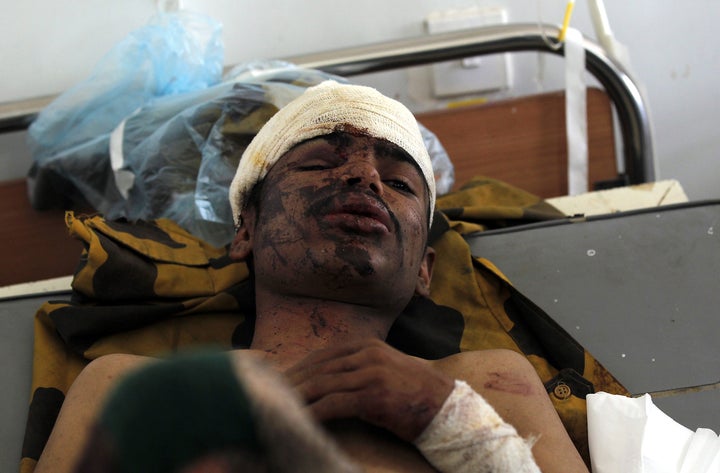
467,435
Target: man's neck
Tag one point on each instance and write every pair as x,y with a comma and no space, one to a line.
289,328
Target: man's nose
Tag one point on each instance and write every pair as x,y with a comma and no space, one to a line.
364,173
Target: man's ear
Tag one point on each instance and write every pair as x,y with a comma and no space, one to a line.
422,287
242,244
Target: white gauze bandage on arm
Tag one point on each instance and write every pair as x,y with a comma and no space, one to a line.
467,435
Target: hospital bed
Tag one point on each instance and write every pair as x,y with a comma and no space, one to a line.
37,239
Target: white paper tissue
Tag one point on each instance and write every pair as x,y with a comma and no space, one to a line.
632,435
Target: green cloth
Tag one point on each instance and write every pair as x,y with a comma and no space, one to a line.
172,413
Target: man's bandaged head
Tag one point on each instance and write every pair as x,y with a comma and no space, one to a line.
322,110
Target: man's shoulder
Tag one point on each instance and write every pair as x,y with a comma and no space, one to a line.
483,357
484,364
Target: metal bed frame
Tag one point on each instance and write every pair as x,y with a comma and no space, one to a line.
631,110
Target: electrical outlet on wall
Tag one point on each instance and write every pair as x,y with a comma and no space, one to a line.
473,74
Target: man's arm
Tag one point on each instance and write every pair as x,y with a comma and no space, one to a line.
509,383
373,382
80,409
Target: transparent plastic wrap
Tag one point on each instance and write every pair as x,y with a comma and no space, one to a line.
174,156
441,163
178,159
174,54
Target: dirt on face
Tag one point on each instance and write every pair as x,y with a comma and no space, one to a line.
344,215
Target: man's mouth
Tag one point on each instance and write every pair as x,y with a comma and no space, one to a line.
358,213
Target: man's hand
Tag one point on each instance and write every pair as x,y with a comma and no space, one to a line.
371,381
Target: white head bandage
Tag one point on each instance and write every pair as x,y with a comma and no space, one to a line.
322,110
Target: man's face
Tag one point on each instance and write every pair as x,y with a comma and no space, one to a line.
342,216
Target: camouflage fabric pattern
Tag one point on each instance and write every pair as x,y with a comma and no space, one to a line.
151,288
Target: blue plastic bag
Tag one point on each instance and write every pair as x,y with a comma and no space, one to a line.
175,53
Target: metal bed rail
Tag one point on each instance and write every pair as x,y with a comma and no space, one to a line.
633,119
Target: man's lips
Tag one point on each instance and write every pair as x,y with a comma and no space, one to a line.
360,213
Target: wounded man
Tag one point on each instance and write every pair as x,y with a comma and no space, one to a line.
332,200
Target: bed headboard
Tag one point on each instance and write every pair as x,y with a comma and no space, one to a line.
522,141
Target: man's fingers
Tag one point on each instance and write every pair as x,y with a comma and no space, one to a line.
350,357
320,356
340,405
309,369
317,386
